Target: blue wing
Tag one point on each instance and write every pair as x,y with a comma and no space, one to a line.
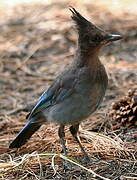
45,100
56,93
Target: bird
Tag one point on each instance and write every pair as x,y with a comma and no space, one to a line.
77,92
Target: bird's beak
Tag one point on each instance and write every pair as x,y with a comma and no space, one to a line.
112,37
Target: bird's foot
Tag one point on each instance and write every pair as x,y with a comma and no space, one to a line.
67,165
86,159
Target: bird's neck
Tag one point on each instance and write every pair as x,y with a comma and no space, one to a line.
87,57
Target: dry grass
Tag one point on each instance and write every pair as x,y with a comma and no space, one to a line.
36,43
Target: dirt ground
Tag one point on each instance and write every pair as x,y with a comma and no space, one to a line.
36,42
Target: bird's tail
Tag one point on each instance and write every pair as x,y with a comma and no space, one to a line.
29,129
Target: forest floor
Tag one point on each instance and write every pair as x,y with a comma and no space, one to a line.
36,42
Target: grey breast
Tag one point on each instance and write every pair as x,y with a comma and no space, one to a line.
84,101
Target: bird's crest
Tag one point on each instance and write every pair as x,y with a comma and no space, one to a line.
83,25
78,18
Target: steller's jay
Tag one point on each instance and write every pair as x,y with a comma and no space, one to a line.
77,92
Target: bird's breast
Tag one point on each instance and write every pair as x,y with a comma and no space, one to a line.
88,95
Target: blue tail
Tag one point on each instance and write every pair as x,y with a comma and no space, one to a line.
29,129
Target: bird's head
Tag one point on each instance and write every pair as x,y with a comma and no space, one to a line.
90,36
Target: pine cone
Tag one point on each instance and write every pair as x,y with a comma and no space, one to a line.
124,111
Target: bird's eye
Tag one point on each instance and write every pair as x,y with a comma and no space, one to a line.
96,39
86,38
92,40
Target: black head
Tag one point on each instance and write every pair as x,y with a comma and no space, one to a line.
90,36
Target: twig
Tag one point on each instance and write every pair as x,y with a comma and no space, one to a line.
89,170
26,108
27,156
128,177
28,57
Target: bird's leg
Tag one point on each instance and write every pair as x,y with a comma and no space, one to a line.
61,134
74,130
